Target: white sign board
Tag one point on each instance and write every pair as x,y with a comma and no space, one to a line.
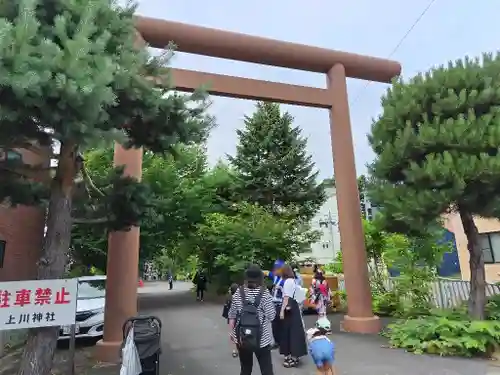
37,303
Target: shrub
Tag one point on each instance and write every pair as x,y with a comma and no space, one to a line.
493,308
445,336
342,296
385,303
460,312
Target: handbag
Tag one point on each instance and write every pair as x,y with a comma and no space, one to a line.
225,309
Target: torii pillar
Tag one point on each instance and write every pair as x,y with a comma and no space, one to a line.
121,270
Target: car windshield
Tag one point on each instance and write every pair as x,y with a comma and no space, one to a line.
88,289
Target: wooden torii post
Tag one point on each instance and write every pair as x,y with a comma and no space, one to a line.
123,247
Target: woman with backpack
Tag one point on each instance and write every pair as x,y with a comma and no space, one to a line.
293,344
250,315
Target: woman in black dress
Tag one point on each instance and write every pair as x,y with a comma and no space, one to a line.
293,343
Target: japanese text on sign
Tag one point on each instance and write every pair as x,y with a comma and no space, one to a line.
37,303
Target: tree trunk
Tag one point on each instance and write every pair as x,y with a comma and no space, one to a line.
477,298
41,344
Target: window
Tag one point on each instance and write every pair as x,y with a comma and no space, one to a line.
2,252
490,245
325,246
90,289
13,155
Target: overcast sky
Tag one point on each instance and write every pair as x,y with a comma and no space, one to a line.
449,30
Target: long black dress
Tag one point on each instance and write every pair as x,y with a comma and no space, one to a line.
292,336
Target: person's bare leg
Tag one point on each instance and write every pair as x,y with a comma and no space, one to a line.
323,370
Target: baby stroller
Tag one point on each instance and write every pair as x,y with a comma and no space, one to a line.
147,339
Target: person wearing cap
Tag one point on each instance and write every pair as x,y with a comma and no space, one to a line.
253,287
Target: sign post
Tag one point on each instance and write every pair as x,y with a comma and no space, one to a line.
40,303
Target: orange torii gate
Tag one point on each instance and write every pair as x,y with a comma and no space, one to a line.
123,247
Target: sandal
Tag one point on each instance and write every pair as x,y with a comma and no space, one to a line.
290,362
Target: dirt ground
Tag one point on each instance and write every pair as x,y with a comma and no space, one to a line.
84,363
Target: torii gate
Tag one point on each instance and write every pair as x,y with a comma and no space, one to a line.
123,247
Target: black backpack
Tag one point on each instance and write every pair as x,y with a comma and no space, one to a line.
248,329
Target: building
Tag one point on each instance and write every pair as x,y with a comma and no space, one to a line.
326,222
22,227
489,240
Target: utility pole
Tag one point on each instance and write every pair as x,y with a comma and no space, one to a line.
330,223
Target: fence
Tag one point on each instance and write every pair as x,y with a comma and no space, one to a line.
445,293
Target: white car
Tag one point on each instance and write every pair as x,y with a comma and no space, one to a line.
89,310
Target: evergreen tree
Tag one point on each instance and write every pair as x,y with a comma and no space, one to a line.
71,72
273,166
437,148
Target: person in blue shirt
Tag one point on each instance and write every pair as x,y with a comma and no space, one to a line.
277,293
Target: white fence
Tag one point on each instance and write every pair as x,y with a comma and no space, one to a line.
446,293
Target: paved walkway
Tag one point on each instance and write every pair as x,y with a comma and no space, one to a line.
195,341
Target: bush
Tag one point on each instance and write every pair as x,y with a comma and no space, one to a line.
493,308
385,303
460,312
342,297
335,268
445,336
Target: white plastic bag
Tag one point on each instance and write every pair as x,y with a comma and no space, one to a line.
300,294
131,363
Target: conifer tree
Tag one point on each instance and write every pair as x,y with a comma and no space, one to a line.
72,72
437,148
272,164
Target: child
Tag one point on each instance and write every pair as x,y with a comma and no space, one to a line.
227,306
322,350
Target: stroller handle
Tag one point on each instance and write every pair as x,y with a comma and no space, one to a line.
130,321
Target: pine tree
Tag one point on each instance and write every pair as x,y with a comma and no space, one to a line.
71,72
273,167
437,148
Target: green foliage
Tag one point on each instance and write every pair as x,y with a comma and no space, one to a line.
493,308
444,336
85,81
436,144
386,302
416,260
179,192
272,164
336,267
227,243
